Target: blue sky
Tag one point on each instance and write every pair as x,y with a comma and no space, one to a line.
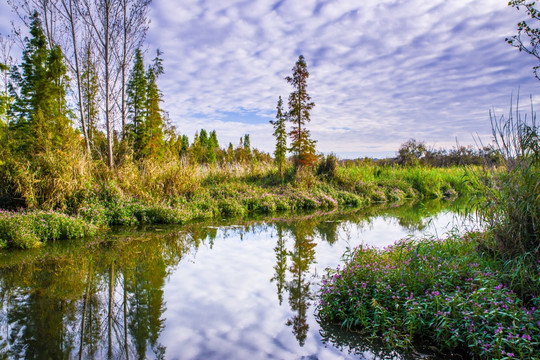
381,71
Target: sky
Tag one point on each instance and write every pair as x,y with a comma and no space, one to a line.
381,71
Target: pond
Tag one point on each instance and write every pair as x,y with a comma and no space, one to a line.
244,289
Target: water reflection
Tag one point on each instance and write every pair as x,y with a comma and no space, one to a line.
186,293
105,302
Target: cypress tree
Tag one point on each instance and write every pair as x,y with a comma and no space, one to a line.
280,133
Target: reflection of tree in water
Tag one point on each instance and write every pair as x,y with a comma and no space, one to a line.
100,303
281,262
38,316
354,343
301,257
145,306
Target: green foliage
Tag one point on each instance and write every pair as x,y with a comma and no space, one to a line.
508,200
411,152
40,117
443,292
328,166
137,102
32,229
280,133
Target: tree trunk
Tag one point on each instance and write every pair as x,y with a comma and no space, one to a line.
69,12
108,119
110,314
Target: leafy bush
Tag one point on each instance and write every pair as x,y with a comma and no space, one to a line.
32,229
328,166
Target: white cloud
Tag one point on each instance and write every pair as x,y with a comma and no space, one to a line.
381,71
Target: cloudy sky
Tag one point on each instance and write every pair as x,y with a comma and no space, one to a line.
381,71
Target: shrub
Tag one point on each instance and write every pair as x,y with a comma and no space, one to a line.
328,166
511,205
32,229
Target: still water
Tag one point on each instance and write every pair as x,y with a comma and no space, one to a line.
244,289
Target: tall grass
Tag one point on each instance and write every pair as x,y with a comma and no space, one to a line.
512,200
508,201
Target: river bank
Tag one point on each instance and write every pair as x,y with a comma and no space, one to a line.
218,193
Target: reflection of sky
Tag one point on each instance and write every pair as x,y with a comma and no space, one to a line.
222,304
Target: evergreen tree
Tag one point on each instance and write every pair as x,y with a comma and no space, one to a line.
154,145
211,147
203,138
280,133
137,88
212,140
184,145
40,112
300,105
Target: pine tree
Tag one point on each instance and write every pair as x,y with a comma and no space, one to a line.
137,88
154,145
280,133
211,147
300,105
40,117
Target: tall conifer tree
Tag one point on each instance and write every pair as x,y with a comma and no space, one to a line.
41,116
154,144
300,105
137,88
280,133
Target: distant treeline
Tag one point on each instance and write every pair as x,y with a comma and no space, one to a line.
413,153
